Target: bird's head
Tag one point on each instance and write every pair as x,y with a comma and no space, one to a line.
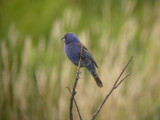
70,37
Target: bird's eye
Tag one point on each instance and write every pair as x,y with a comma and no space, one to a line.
64,38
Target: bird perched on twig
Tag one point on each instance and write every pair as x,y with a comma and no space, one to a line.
73,49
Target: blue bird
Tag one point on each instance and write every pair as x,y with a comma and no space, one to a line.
73,49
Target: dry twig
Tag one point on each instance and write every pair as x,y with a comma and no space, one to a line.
116,84
80,117
74,87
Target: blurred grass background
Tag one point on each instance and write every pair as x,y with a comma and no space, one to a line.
34,71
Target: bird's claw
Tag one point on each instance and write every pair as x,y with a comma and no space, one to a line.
78,72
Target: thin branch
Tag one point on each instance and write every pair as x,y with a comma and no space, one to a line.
121,81
116,84
74,87
123,71
75,104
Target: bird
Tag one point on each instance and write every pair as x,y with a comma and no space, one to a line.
72,47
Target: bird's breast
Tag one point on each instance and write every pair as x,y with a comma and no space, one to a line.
73,53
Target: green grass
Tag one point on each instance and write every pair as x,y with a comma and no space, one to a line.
34,71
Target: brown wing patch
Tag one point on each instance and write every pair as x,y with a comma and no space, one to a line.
87,52
81,45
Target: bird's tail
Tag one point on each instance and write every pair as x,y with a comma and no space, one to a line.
92,70
98,81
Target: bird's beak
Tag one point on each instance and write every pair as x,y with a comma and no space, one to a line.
63,39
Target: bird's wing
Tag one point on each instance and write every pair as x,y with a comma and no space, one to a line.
86,52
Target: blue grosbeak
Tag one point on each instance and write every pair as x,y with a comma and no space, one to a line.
73,51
